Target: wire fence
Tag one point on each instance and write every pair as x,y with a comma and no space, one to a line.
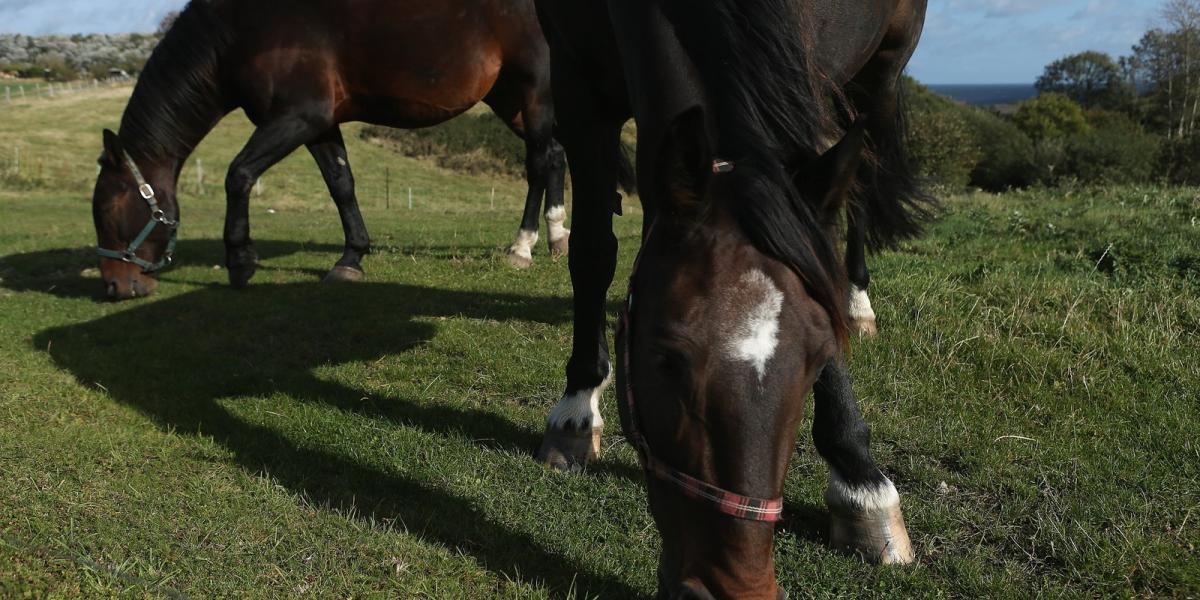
23,166
17,92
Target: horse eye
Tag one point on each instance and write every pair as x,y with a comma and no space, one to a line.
670,363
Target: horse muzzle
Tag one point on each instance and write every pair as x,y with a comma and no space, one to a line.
126,283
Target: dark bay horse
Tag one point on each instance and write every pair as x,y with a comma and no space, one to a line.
299,69
762,125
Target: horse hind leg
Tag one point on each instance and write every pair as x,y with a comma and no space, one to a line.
865,516
523,102
520,253
556,210
329,151
862,315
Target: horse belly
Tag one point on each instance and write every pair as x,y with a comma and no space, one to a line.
420,97
403,75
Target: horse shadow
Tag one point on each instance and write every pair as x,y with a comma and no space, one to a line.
60,272
174,359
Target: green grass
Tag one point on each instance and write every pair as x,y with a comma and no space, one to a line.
1033,394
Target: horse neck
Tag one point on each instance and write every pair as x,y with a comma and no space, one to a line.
177,101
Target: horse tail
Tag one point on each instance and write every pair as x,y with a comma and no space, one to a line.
626,172
890,200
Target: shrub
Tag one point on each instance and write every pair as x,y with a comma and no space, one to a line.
474,143
1115,150
1179,160
1050,116
941,143
993,152
1007,154
943,147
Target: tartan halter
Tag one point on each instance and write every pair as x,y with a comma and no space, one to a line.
157,217
722,500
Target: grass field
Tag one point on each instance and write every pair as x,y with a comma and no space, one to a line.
1033,393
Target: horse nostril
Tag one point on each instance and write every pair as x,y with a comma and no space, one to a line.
112,289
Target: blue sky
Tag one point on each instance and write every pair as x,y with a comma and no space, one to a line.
965,41
1010,41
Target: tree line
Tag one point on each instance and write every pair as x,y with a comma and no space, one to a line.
1097,119
66,58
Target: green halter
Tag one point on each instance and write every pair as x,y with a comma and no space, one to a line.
157,217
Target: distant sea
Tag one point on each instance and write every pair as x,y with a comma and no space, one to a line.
987,94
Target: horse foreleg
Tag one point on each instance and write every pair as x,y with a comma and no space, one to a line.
864,506
574,426
329,151
268,145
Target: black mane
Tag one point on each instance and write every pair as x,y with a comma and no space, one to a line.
177,99
772,108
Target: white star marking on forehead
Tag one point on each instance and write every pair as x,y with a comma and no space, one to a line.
755,337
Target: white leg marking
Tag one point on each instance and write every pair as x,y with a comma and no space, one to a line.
523,247
860,304
555,217
578,407
755,338
860,499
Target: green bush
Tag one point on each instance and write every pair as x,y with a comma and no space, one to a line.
1179,160
940,140
1007,160
942,147
948,139
473,143
1050,116
1114,150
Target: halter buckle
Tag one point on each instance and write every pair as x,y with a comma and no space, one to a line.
161,217
146,191
722,166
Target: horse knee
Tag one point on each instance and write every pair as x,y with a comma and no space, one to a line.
556,155
238,181
542,159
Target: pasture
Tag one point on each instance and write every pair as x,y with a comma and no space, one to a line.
1034,394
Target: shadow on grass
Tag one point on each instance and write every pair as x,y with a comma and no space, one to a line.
174,359
59,271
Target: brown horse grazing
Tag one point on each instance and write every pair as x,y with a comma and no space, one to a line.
759,122
299,69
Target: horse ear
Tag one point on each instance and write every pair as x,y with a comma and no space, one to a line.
113,151
684,159
830,176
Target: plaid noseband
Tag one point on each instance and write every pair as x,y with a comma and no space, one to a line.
722,500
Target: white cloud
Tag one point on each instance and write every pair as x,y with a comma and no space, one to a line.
1011,41
40,17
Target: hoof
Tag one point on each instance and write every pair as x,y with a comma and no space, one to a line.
569,450
239,276
879,537
518,260
863,327
558,248
341,274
